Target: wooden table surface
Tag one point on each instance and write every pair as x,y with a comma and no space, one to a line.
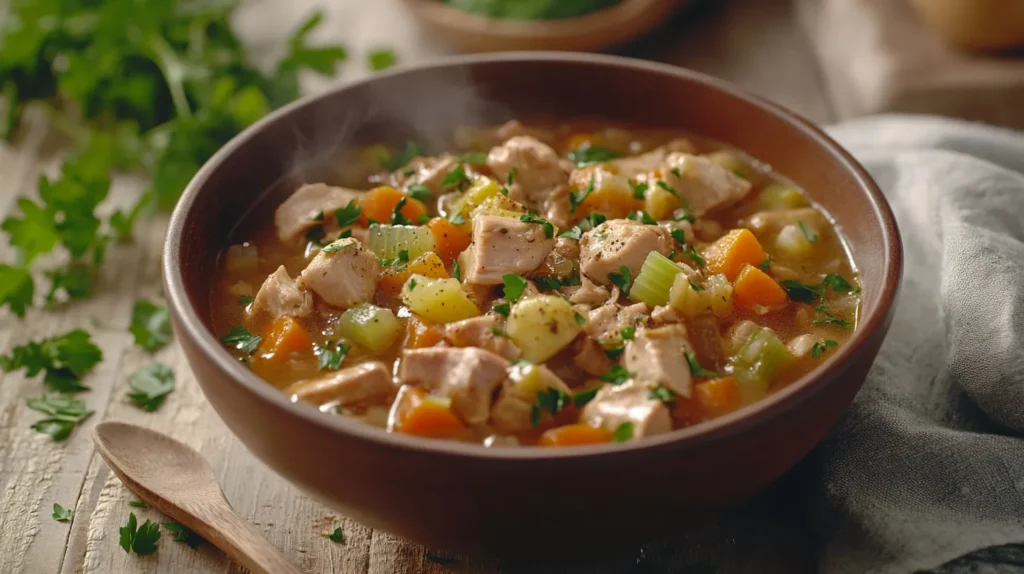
754,43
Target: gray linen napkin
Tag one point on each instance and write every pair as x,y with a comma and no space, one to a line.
927,466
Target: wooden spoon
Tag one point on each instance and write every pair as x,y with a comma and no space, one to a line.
175,479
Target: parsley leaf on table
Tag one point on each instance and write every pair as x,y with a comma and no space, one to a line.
150,385
180,533
336,535
139,539
64,360
151,325
381,59
61,514
63,414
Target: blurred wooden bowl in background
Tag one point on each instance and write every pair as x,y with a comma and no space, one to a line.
976,24
595,31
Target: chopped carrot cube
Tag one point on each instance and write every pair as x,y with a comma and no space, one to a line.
451,239
284,337
416,414
379,205
718,396
753,288
730,252
391,279
421,333
574,434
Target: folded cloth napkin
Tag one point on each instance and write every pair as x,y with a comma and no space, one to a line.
925,472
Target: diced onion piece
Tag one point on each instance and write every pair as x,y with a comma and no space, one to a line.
498,205
482,189
542,326
655,280
712,296
438,300
527,378
730,161
660,204
386,241
791,241
760,358
369,326
781,196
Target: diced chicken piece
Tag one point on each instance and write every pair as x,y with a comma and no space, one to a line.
343,274
468,376
627,403
705,230
666,314
801,346
503,245
685,226
280,296
770,223
619,242
513,128
606,182
703,184
589,293
347,386
651,161
562,259
537,169
512,411
301,210
591,358
606,322
428,171
556,207
657,357
486,332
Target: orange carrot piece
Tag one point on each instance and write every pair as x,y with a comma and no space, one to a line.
689,411
579,140
391,279
753,288
613,202
379,205
430,419
284,337
731,251
718,396
451,239
574,434
421,333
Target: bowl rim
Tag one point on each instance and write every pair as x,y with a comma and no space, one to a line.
774,405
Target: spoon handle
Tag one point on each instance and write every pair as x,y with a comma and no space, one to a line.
227,531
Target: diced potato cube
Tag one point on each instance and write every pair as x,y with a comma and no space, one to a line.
660,204
791,241
438,300
541,326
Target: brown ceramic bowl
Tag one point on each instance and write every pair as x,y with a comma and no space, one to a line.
463,497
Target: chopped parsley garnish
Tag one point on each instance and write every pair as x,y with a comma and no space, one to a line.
807,231
696,286
514,287
621,279
679,235
589,153
580,319
592,220
348,215
423,219
617,375
548,283
412,284
63,414
583,397
396,162
665,186
244,301
335,247
676,172
420,192
695,368
502,309
639,189
576,197
137,504
551,400
457,218
549,228
498,332
316,234
456,270
403,257
838,283
61,514
330,356
662,394
623,432
799,291
474,158
396,215
628,333
456,179
615,352
672,255
151,325
683,215
141,540
830,319
821,347
180,533
64,360
512,173
150,385
345,234
381,59
319,216
572,233
691,252
766,264
642,217
336,535
241,339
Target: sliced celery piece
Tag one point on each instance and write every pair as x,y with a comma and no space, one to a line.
370,326
655,280
760,358
386,241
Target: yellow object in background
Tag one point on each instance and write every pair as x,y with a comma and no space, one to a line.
976,24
